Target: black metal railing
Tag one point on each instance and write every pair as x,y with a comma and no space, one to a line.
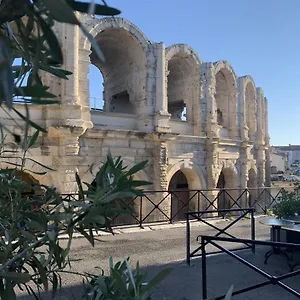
171,206
198,215
270,279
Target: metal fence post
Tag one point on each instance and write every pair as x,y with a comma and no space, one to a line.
188,240
253,230
141,212
204,279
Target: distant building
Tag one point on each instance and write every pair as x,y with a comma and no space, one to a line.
293,153
278,161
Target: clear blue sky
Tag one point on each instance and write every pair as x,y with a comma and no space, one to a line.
257,37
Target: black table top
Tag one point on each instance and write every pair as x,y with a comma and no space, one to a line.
275,222
295,219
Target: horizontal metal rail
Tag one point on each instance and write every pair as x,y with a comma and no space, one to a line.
172,205
275,280
198,215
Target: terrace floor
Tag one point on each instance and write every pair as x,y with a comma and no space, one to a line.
164,246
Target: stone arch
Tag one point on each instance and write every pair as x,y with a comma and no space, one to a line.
183,83
250,108
125,69
261,113
226,98
183,181
228,184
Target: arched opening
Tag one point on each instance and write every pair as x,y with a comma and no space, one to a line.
180,196
96,88
183,77
227,183
250,110
225,95
123,71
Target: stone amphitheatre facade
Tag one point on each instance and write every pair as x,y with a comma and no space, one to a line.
222,142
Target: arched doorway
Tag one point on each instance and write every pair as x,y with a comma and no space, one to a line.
227,183
179,196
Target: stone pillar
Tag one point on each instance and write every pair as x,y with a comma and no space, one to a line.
162,116
209,105
160,157
243,128
244,172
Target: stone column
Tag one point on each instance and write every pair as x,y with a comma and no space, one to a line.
244,172
209,105
243,128
160,157
162,116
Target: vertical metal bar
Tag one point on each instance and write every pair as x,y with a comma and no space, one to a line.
141,211
204,279
188,240
253,230
198,194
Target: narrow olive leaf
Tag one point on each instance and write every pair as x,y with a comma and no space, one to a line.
42,272
80,189
55,71
16,277
137,167
36,91
51,39
101,10
33,139
40,164
39,101
6,75
93,42
129,270
34,125
61,11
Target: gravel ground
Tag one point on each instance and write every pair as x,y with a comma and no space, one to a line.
164,247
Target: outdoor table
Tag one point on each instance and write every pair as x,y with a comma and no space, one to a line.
294,228
276,225
295,219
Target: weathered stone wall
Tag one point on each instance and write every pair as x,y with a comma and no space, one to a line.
225,132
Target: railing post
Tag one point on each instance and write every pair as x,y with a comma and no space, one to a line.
204,279
253,230
188,240
141,212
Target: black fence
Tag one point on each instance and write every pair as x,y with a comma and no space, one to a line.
171,206
270,279
199,216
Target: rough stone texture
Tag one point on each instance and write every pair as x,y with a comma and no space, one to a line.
226,127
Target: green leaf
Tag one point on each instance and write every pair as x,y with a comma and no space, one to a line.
102,10
55,71
61,11
51,39
43,101
137,167
34,125
6,75
16,277
36,91
42,272
33,139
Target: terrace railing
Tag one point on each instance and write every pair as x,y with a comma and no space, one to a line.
171,206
